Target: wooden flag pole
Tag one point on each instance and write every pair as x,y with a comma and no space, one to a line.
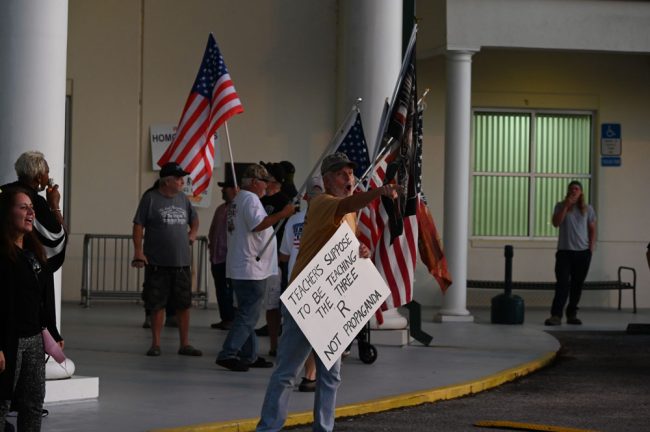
329,149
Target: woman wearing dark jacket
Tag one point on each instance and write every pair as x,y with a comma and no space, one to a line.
26,307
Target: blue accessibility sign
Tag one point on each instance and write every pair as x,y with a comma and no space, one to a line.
611,143
610,130
610,161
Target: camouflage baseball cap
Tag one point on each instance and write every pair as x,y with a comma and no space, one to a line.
257,172
335,162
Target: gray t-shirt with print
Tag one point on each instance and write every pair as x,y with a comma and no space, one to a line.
574,233
166,231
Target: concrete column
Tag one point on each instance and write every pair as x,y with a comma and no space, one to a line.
456,200
33,46
369,58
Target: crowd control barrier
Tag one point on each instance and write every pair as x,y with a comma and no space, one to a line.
107,273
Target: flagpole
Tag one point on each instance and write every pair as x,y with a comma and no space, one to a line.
342,130
232,159
424,95
330,147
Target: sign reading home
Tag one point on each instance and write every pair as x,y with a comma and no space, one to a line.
161,137
335,295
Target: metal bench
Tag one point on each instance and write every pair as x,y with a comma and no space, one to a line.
619,285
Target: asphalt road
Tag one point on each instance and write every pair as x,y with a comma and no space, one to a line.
600,381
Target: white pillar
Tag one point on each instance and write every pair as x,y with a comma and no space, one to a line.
33,49
33,46
369,58
456,201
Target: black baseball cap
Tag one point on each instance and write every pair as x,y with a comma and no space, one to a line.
172,169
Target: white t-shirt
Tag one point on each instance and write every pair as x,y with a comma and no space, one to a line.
291,239
245,213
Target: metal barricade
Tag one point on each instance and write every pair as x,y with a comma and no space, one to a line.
107,271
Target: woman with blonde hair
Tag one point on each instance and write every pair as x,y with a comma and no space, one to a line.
33,174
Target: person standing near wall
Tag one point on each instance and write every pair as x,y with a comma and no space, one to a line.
168,224
576,243
218,247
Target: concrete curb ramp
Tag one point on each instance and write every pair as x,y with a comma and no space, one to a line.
387,403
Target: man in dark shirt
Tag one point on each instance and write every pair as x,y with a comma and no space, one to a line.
162,220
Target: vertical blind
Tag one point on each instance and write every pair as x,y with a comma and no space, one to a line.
522,163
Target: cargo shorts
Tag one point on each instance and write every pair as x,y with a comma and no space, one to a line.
167,284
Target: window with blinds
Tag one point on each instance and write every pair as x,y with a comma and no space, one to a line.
522,163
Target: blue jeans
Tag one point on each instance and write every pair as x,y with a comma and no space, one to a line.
241,341
292,353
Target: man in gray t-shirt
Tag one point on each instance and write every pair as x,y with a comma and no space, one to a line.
168,224
576,242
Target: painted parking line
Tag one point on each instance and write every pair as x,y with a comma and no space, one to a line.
527,426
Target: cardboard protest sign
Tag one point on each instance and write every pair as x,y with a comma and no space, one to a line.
335,295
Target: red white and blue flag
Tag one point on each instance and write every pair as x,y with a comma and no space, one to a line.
394,257
353,144
212,101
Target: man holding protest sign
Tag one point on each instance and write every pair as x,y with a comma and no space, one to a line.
325,215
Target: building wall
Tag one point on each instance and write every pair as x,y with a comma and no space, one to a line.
616,87
132,64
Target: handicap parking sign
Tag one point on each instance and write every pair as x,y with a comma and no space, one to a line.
610,139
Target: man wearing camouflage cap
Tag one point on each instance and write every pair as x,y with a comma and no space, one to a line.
326,213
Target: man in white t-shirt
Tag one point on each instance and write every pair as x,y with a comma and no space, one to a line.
249,230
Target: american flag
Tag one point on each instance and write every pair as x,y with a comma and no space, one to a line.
394,251
429,243
402,131
212,101
394,258
396,261
354,145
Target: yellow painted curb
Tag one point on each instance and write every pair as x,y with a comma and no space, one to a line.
387,403
527,426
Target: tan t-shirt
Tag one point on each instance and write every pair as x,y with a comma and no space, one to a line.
321,223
